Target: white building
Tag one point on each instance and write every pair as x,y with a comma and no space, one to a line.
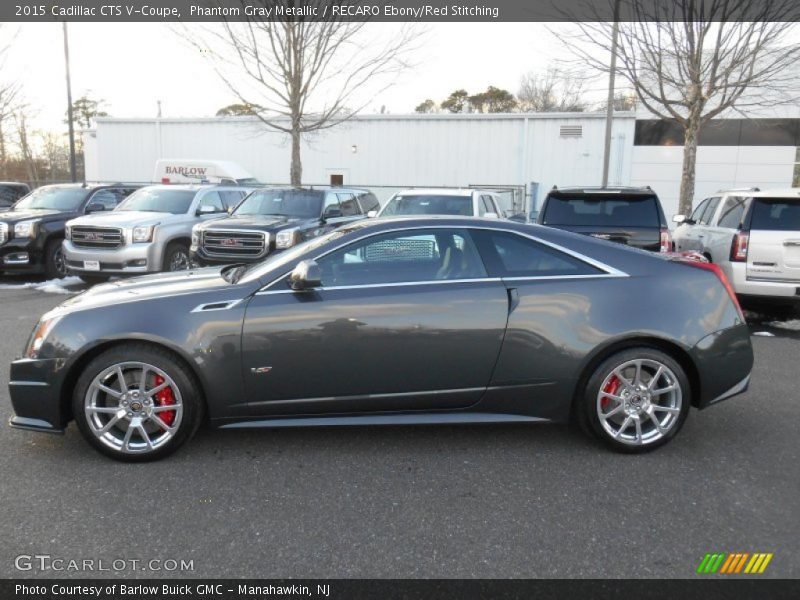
525,154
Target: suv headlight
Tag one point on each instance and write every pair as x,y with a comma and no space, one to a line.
25,229
39,335
143,234
195,236
287,238
67,232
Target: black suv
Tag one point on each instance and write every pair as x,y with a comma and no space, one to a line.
627,215
273,219
31,232
10,192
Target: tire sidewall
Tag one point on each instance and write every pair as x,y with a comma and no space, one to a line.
173,249
189,391
589,415
50,270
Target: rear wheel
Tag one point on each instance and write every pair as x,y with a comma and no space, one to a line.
55,265
176,257
137,403
636,400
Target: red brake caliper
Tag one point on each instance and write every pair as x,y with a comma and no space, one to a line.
610,388
165,398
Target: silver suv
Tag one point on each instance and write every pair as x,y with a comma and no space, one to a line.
753,235
150,231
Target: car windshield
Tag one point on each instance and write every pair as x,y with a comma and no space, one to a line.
619,211
426,204
53,198
161,200
778,214
291,203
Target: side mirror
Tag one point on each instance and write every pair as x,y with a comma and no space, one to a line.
207,209
305,276
491,215
95,207
372,214
679,219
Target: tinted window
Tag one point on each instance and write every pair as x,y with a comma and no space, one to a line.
512,255
732,211
348,203
428,205
618,211
10,194
776,214
697,212
368,202
305,204
708,213
176,202
397,257
53,198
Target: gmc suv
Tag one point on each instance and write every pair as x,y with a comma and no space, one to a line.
273,219
627,215
32,231
754,236
149,232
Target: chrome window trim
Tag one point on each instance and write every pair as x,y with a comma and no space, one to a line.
385,285
609,271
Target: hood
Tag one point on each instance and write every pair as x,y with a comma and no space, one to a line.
127,218
150,287
15,216
258,222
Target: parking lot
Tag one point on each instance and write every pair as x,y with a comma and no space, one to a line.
466,501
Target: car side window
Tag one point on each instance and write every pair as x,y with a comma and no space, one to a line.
732,212
512,255
331,203
231,198
348,203
485,205
368,202
708,213
214,199
107,198
404,257
697,212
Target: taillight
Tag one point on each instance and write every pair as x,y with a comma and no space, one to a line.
665,241
723,279
739,246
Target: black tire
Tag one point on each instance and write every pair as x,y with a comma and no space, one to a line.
94,279
188,390
589,402
172,253
55,265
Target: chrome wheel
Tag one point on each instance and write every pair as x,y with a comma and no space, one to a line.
133,407
179,261
639,402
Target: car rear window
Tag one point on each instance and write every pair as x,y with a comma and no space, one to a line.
617,211
776,214
428,204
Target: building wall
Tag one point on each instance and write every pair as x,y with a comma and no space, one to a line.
386,152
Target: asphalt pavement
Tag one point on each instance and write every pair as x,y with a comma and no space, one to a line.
445,501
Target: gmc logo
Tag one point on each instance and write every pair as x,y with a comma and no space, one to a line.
91,236
230,242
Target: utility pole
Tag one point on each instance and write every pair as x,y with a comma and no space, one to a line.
610,106
72,166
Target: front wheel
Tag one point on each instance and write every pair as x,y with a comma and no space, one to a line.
176,258
636,400
137,403
55,265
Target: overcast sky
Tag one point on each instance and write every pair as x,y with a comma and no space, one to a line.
131,66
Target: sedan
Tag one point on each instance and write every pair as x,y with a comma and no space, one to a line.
392,321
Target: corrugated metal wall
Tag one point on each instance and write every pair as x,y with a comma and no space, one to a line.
377,150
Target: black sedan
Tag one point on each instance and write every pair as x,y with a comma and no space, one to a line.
395,321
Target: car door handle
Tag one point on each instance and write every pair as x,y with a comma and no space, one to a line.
513,299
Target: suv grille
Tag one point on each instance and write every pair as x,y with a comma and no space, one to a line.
3,233
235,244
96,237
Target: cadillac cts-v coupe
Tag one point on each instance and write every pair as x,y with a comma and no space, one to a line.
392,321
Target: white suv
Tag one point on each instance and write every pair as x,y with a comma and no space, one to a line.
753,235
470,203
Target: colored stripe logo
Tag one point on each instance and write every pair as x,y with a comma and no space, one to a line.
731,563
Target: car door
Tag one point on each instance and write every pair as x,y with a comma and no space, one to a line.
724,226
685,237
405,320
702,229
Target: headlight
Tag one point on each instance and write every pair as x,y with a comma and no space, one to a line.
39,336
287,238
143,234
25,229
68,232
195,237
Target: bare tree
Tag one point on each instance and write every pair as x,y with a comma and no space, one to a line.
24,146
692,60
302,76
555,90
9,98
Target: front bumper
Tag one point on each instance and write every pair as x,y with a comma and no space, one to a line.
34,388
128,259
744,286
21,255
